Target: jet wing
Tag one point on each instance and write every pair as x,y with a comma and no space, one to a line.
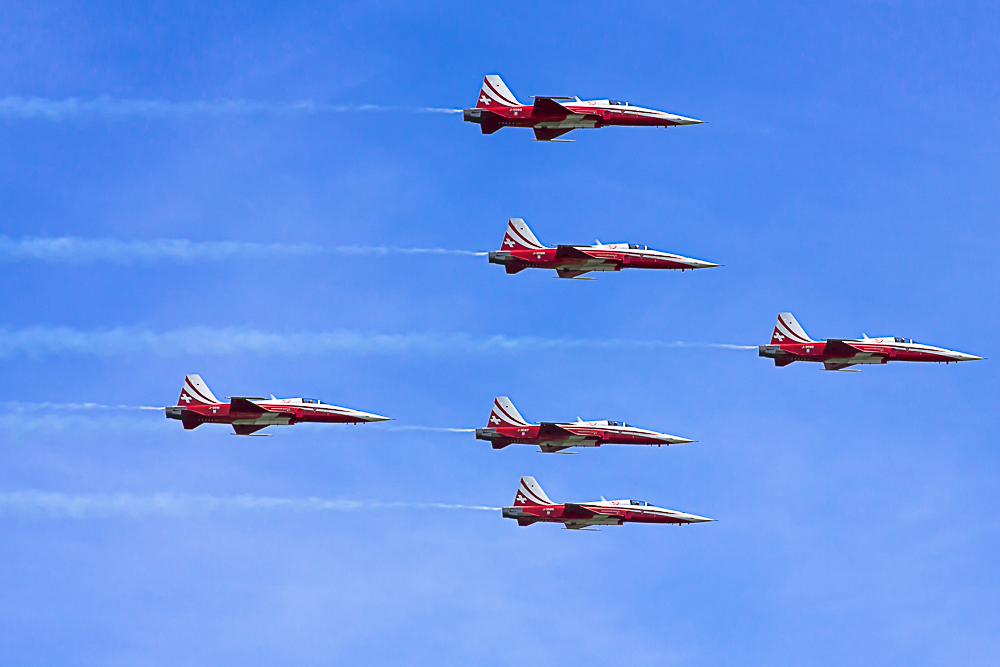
243,405
550,431
839,348
571,252
546,106
575,511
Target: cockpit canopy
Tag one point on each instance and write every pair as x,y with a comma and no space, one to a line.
614,423
311,400
903,340
618,103
637,247
640,503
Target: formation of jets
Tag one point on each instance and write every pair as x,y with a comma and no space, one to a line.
550,118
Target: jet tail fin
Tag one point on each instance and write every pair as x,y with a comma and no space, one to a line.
196,392
788,330
505,414
495,93
520,237
530,493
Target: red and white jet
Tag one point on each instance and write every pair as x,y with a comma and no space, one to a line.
549,118
790,343
197,405
507,427
520,250
531,505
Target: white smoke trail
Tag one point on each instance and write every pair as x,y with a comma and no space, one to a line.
38,341
101,505
438,429
78,250
21,416
22,406
18,107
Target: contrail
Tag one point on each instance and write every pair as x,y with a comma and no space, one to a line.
100,505
18,107
201,341
79,250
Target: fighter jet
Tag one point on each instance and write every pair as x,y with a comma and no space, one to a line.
520,250
508,427
790,343
552,117
197,405
531,505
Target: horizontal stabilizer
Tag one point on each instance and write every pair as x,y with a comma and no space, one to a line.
838,348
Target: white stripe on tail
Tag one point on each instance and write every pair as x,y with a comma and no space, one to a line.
519,237
505,414
788,330
196,392
530,493
495,93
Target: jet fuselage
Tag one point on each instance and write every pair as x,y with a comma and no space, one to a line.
790,343
522,250
551,117
197,405
507,427
532,505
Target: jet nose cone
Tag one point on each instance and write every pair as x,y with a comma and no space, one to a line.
698,264
368,417
967,357
674,440
681,120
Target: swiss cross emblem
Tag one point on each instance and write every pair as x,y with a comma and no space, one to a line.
186,398
484,99
508,242
520,498
778,335
494,419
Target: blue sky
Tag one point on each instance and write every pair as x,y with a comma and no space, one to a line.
847,173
